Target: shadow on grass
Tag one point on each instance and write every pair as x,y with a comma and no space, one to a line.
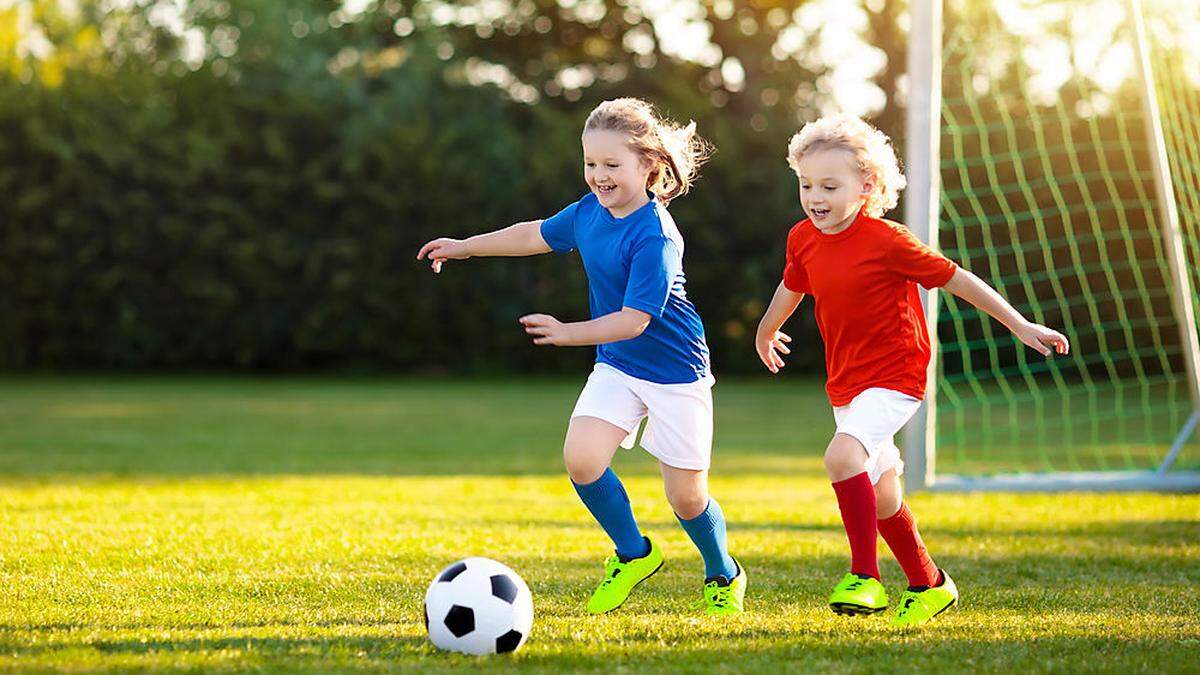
62,427
90,458
210,625
279,646
759,650
1166,533
1033,583
1039,592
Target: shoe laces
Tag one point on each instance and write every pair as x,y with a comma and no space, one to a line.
906,602
716,595
856,581
612,567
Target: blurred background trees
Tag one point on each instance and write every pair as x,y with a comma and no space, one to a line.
244,183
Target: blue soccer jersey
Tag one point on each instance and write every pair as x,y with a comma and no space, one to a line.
636,262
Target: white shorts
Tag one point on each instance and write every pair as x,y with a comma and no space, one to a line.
873,418
680,427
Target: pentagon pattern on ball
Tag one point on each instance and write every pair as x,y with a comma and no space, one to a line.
478,606
504,588
460,620
508,642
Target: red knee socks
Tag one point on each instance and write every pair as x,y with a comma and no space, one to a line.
900,533
856,500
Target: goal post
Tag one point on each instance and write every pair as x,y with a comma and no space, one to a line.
921,211
1055,182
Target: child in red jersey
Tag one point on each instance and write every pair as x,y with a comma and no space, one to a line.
863,273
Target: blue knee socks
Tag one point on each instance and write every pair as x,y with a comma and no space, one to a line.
707,531
609,504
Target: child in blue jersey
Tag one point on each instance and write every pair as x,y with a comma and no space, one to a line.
651,356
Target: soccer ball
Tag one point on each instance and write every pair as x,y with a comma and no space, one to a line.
478,606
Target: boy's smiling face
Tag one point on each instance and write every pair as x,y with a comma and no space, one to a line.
832,189
615,172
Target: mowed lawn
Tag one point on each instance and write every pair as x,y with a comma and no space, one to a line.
229,524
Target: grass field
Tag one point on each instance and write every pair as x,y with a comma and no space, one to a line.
212,524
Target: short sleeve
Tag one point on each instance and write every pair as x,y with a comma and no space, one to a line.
912,259
558,230
795,277
655,263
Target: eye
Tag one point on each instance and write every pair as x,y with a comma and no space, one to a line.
589,164
613,166
831,188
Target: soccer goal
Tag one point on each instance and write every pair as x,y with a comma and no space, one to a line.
1053,149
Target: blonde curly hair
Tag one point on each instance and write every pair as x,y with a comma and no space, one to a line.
675,151
871,148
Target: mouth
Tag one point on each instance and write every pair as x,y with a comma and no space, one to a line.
818,213
605,189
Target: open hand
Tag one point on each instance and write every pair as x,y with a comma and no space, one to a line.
546,329
771,348
1042,339
440,250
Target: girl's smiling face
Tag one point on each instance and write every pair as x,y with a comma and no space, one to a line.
832,189
615,172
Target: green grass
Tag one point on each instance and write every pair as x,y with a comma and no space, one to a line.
213,524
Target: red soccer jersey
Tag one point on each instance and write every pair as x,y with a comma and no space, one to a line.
864,281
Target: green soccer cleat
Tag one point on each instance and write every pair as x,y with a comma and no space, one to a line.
858,594
620,576
723,596
919,607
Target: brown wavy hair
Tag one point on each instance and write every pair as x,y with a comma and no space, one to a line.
675,151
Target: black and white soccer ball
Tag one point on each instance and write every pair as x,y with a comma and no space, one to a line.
478,606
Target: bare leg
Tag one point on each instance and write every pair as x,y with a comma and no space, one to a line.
701,517
589,448
845,457
587,452
899,530
845,462
888,494
687,490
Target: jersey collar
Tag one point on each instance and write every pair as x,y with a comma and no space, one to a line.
609,217
844,234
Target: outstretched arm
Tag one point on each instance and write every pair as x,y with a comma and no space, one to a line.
515,240
621,325
769,342
972,289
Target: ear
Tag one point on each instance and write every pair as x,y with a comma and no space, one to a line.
868,184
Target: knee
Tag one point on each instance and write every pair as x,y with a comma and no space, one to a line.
688,503
832,460
582,467
885,506
845,457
